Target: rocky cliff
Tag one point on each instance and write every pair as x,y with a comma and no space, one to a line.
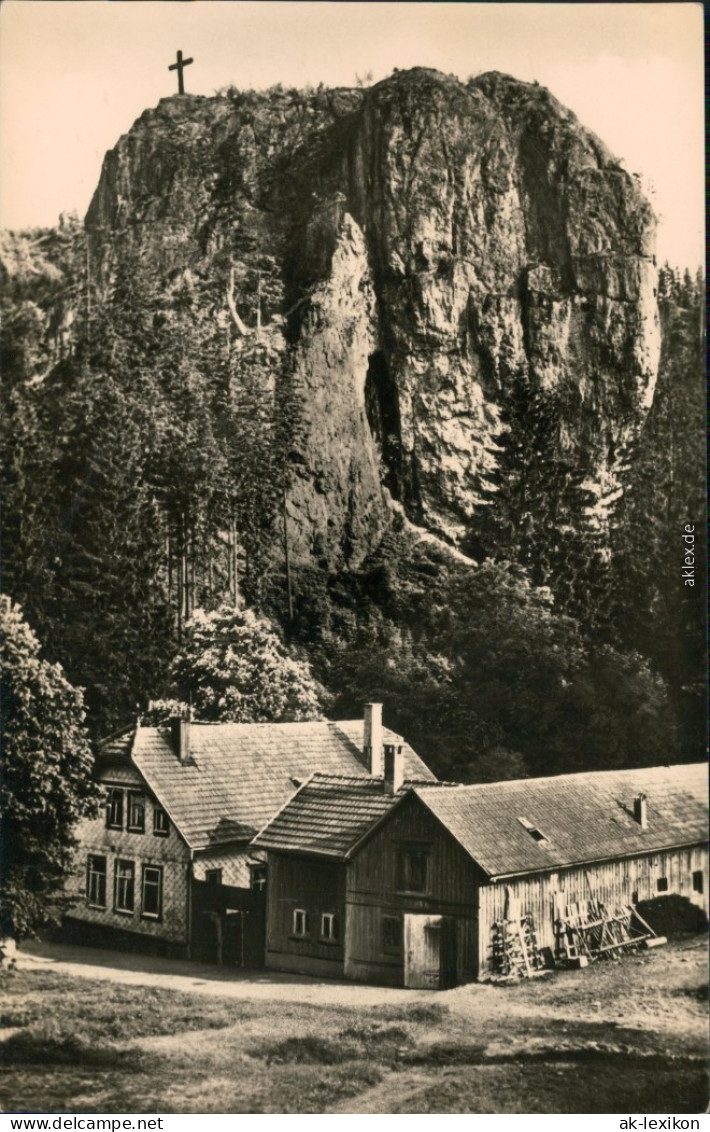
399,256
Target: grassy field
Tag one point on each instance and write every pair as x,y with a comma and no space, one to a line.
629,1036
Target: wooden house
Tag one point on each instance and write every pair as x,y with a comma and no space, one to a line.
168,866
403,883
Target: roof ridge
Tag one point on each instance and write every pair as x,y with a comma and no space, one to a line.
255,723
368,779
576,775
350,777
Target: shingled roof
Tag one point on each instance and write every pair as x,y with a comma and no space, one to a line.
541,823
239,774
328,816
525,826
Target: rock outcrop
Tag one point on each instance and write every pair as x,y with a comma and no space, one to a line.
402,254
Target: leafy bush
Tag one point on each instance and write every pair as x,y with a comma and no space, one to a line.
234,666
46,784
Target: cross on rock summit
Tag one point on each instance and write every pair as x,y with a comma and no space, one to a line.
179,67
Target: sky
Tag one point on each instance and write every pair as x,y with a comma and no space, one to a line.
75,74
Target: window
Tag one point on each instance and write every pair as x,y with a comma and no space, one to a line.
136,812
662,884
114,809
213,876
329,927
392,935
698,881
413,869
258,877
96,882
124,886
161,825
152,902
300,922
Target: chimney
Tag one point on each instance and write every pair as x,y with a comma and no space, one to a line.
180,737
394,767
372,739
640,810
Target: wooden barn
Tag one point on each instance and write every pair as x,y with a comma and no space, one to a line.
402,883
168,867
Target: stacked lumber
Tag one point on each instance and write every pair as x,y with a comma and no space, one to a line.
515,949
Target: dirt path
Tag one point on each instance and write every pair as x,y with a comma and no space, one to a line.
632,994
196,978
390,1094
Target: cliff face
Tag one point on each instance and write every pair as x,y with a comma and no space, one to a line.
401,255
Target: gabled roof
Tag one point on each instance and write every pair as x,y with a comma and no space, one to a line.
580,817
238,775
328,816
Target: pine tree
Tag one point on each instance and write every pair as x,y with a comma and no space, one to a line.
538,505
651,608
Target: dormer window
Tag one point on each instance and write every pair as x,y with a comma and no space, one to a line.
535,833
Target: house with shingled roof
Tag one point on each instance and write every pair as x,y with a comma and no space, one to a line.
393,881
169,866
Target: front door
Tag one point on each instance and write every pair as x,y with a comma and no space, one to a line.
423,951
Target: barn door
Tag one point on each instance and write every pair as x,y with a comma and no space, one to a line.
233,938
423,951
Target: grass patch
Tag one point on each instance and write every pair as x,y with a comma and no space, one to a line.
698,994
315,1089
101,1011
308,1050
446,1053
368,1041
17,1016
425,1013
377,1033
603,1084
45,1047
